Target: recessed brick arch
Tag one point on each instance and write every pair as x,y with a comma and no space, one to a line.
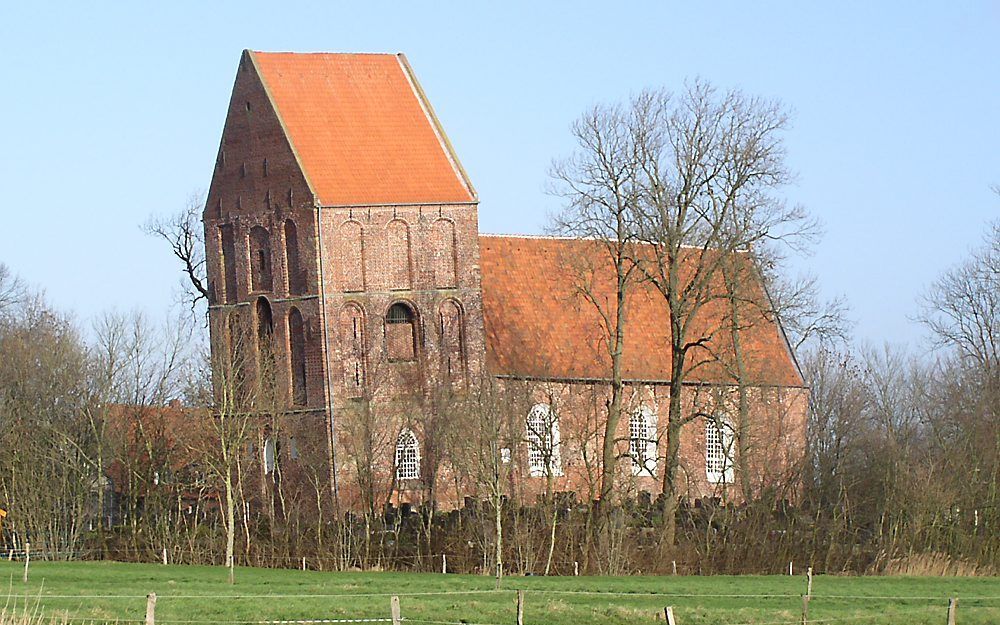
264,318
293,266
297,357
397,255
451,334
352,256
355,348
443,253
260,259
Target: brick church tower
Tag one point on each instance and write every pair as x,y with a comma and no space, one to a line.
341,232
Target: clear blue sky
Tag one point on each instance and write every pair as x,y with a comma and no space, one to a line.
112,111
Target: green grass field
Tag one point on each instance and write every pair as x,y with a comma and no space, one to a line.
88,592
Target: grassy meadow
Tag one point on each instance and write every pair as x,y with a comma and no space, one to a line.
90,592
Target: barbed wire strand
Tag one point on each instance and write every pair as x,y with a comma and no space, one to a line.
552,591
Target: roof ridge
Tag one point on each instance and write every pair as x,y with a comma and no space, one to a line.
324,53
439,132
556,237
561,237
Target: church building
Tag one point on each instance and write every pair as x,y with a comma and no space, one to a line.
342,239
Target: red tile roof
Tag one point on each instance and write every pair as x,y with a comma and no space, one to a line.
539,326
361,128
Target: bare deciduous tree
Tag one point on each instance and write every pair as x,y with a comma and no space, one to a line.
185,235
962,307
12,289
693,176
599,183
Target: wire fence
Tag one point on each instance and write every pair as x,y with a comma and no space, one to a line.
692,605
457,562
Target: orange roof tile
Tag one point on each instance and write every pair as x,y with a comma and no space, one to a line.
538,325
361,129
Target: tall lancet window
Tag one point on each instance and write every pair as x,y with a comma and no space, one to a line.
407,456
642,441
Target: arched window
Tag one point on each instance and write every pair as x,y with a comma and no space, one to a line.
352,331
397,240
407,456
270,452
400,333
260,259
544,456
297,356
227,242
296,277
265,346
450,329
352,265
719,450
642,441
443,248
265,324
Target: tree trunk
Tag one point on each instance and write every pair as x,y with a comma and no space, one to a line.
609,457
555,514
230,528
672,461
743,410
498,519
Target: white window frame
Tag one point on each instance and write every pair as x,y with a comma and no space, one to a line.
642,441
720,443
407,457
544,453
268,453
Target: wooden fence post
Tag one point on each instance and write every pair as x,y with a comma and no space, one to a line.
164,555
303,563
394,607
673,563
27,560
668,613
809,581
520,607
151,609
805,609
576,568
444,563
952,608
790,569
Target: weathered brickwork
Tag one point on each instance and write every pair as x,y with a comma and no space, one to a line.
775,438
260,203
375,314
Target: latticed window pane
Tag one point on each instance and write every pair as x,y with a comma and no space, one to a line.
642,441
719,450
544,456
407,456
269,455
